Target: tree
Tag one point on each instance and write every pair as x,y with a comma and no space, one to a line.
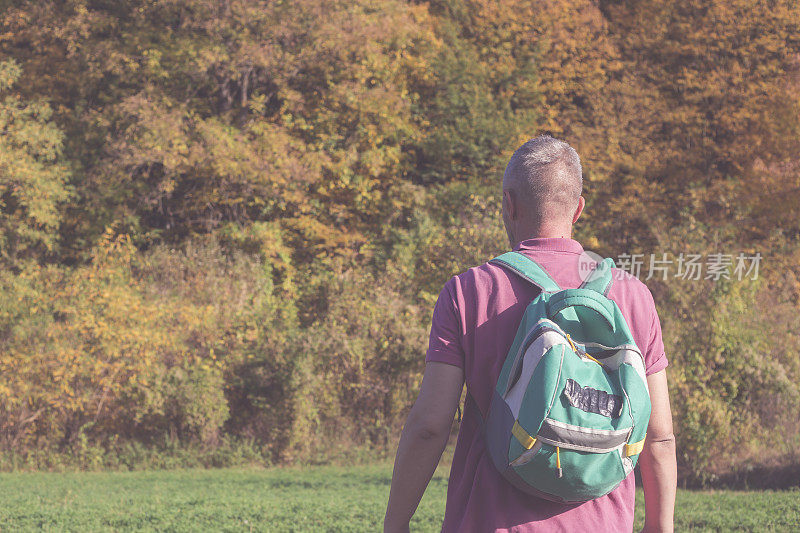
188,115
33,176
721,112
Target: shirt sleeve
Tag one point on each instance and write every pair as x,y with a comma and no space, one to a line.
655,358
444,345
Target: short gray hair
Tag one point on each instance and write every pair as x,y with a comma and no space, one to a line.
546,174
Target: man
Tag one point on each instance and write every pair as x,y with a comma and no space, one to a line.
474,323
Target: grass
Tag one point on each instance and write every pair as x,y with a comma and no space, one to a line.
298,499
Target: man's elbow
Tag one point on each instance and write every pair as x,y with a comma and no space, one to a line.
428,433
427,428
667,439
660,445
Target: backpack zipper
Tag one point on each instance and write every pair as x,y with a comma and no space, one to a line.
560,472
581,353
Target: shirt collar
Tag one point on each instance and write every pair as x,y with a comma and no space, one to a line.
550,244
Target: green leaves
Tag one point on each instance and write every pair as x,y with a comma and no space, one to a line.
33,176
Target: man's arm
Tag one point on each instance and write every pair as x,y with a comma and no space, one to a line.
657,462
422,442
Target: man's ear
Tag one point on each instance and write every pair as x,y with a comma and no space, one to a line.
508,204
579,209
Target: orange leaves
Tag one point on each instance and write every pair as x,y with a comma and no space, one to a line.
715,75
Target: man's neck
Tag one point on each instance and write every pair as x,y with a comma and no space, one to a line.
567,234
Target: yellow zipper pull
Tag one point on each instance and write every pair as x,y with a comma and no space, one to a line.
593,359
558,463
574,349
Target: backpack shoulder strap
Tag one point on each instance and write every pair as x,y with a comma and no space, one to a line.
600,278
528,269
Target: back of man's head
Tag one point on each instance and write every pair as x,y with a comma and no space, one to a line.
545,178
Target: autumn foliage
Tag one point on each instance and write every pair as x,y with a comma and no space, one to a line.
229,220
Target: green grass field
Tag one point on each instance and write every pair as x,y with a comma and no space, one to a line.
298,499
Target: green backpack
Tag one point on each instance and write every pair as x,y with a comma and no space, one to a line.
570,410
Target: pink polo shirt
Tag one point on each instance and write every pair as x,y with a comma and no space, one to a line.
474,323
